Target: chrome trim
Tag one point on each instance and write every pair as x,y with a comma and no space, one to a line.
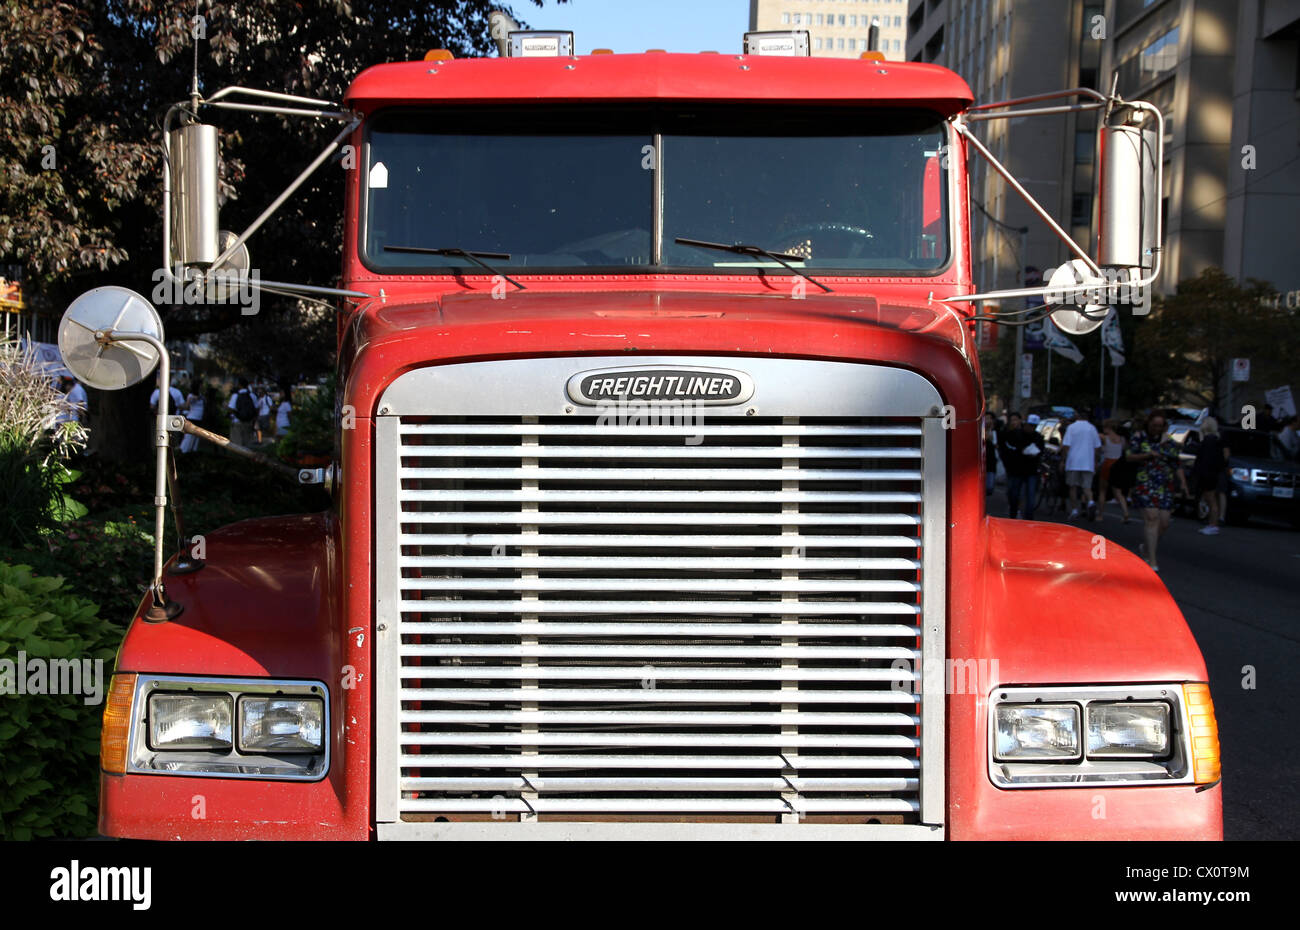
934,617
1083,772
577,830
139,753
782,387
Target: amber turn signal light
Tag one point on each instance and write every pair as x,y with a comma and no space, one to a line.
1206,764
116,735
438,54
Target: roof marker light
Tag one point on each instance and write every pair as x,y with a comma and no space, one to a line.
872,56
602,51
529,43
438,54
789,44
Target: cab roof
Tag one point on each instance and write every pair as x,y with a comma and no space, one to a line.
650,76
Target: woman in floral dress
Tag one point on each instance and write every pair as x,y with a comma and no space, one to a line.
1156,457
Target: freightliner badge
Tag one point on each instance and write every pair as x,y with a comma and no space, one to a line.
677,385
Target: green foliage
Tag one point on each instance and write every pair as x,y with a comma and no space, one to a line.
35,441
1194,334
49,744
312,426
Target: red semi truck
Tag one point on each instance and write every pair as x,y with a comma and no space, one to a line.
658,498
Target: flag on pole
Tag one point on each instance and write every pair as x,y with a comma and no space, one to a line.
1112,338
1055,340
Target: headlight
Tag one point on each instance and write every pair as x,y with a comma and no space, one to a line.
1240,474
218,727
280,724
1037,732
1128,731
1075,736
190,721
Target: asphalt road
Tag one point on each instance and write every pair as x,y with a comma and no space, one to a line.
1240,593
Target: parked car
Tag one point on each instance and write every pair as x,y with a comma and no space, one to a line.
1261,480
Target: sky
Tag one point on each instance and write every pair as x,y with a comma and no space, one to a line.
636,25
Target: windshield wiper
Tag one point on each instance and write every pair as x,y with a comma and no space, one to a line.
475,257
741,248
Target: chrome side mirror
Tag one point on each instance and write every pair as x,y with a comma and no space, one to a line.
193,164
1128,228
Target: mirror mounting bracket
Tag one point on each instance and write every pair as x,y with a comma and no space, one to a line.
1009,109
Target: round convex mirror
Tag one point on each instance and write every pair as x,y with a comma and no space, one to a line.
116,365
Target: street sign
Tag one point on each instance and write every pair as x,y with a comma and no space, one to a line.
1241,369
1282,400
1026,374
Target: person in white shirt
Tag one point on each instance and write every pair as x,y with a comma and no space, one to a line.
194,410
177,400
1079,450
264,407
75,395
282,413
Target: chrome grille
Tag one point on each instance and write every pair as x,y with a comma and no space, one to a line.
700,621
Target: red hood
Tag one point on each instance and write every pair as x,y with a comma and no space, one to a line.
389,338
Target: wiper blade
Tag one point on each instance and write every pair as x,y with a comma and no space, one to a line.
740,248
475,257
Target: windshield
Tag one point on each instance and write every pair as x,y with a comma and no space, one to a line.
860,191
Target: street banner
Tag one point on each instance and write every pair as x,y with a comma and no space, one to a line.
1241,369
1055,340
1034,337
1112,338
1026,374
1282,400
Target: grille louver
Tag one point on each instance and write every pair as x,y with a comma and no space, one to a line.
710,621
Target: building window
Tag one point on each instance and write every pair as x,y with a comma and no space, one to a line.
853,21
1083,147
785,19
841,19
1153,62
817,44
841,45
1081,209
820,18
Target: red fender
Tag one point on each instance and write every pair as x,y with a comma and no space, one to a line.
265,605
1064,606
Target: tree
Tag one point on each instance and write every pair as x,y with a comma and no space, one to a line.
84,87
1211,320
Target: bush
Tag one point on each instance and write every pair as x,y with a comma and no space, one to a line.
36,439
311,426
49,744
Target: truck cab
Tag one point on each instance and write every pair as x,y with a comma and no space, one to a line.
658,503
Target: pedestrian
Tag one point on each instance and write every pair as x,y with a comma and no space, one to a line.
75,395
1020,453
1288,438
264,407
174,393
990,453
283,412
195,407
1108,476
1156,457
1080,447
243,414
1211,473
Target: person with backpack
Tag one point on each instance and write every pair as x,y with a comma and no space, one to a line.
243,414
